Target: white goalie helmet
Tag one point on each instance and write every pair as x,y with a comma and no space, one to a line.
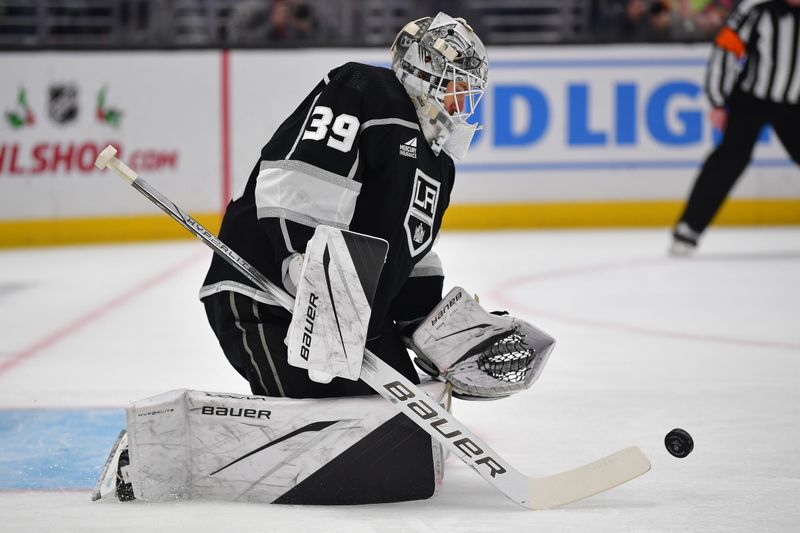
437,60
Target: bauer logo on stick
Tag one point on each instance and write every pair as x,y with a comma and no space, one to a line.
465,445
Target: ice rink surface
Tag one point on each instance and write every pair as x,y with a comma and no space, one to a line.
645,343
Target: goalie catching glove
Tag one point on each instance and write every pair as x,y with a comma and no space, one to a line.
484,356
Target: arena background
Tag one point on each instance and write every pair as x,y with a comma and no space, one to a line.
575,136
595,126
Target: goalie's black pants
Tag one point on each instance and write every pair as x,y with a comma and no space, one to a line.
746,118
252,336
395,462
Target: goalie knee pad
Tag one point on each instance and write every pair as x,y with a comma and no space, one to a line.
482,355
199,445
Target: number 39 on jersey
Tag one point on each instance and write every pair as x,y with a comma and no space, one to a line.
340,135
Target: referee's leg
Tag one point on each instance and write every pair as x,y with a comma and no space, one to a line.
724,166
786,124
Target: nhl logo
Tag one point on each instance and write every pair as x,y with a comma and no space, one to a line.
63,106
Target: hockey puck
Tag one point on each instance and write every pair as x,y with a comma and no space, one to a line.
679,443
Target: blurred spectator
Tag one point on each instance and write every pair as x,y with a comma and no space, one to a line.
258,22
17,23
708,16
180,22
659,20
632,20
429,8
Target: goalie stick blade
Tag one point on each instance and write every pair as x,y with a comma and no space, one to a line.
588,480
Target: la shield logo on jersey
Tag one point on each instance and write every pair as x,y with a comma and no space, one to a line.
421,212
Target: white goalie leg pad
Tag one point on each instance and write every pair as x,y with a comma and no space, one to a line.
188,444
483,355
332,308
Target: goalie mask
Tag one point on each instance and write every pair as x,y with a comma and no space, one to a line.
439,59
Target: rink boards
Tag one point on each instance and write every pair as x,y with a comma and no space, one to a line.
573,137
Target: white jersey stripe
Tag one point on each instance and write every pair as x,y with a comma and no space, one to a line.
241,288
714,81
354,168
267,353
793,94
303,127
286,239
305,194
385,121
747,83
238,323
765,64
782,63
430,265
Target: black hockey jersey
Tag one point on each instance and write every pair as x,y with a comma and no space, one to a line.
350,156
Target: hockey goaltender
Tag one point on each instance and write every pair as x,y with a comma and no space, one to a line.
355,180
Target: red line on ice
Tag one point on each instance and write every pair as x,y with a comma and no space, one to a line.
499,294
82,321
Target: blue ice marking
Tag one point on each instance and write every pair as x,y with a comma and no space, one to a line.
53,449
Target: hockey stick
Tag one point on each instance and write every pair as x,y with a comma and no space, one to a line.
530,492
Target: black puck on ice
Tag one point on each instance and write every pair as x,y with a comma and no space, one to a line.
679,443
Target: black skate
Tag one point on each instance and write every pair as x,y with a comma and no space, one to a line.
684,241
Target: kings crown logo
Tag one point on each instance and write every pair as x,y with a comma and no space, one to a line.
419,234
